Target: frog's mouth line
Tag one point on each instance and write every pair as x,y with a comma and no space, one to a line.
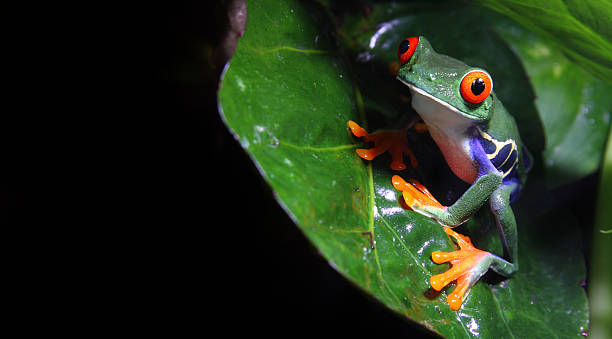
443,103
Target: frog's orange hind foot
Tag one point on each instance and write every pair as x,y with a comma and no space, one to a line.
392,141
417,197
468,265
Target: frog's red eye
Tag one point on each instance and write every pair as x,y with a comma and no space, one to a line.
476,86
406,49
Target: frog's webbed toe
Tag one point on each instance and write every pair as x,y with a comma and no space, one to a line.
392,141
417,197
468,265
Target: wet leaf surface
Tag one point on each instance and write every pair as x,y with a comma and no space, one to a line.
292,85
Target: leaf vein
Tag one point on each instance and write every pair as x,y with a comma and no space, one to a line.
372,205
317,149
416,261
288,48
501,313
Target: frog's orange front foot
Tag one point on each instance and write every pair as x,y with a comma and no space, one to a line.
468,265
417,197
393,141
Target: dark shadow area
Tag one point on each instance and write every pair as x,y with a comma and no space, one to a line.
235,252
432,294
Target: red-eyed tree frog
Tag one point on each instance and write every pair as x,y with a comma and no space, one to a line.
481,144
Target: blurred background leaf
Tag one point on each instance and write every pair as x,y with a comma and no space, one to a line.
581,29
573,104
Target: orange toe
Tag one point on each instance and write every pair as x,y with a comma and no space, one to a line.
422,188
463,241
455,298
439,281
415,195
397,165
392,141
398,149
399,183
367,154
356,129
442,257
467,265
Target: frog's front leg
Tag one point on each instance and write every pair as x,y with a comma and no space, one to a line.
420,200
488,179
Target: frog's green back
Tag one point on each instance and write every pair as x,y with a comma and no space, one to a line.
502,126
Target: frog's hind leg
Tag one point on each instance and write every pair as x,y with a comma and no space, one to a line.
469,263
506,226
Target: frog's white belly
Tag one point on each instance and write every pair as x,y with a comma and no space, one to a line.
449,129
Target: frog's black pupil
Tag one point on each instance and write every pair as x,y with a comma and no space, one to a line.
403,47
478,86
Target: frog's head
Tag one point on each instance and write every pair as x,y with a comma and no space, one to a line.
438,81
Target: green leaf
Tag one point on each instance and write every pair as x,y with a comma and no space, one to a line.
582,29
574,105
287,95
